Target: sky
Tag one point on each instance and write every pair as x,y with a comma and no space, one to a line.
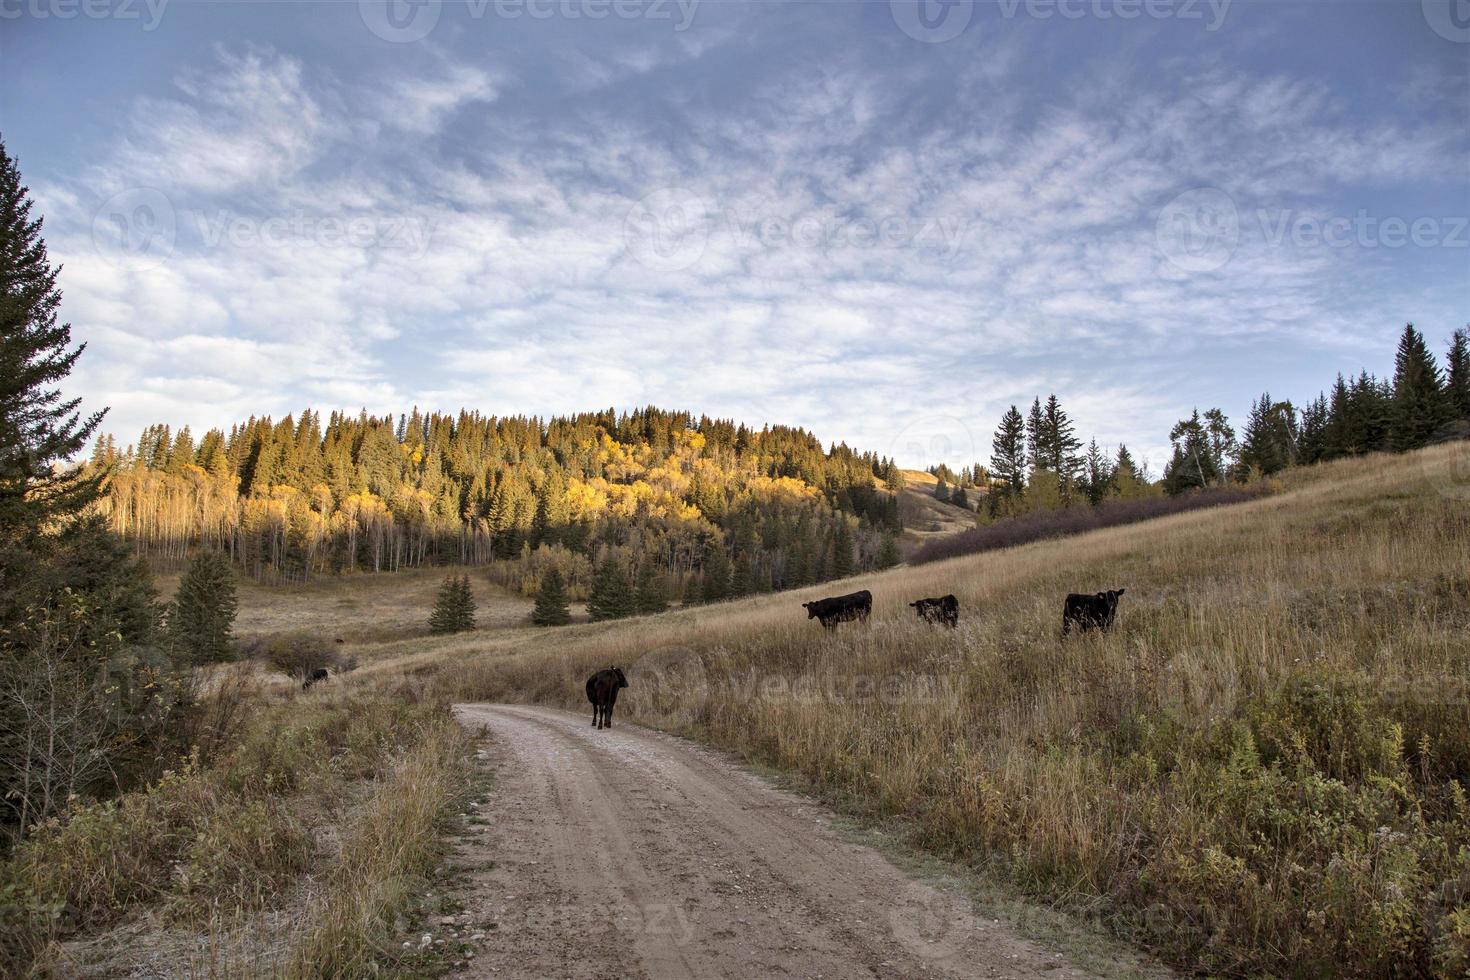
883,221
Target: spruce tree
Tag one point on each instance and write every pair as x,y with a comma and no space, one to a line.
1420,405
38,428
612,595
693,591
1457,383
467,605
1312,441
742,579
1269,442
1008,459
888,555
1127,479
941,491
650,595
843,562
454,607
1059,448
551,601
203,611
1098,475
1193,463
1035,437
716,573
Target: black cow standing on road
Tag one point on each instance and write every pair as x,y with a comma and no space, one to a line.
945,609
840,609
1089,611
602,691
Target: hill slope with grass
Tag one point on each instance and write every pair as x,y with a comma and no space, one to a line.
1262,770
924,517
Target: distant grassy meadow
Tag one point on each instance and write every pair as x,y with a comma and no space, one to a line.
1262,771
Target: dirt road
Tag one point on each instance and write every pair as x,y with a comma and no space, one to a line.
627,853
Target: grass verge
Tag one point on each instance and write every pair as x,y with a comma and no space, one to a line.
211,855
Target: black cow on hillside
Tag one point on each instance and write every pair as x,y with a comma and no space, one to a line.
945,609
602,691
1089,611
320,674
840,609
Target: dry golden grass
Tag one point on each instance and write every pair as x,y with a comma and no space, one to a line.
1262,770
367,608
284,854
391,840
925,518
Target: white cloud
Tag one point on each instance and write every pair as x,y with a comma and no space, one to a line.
861,271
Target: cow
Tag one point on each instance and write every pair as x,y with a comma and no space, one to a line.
320,674
1088,611
945,609
840,609
602,691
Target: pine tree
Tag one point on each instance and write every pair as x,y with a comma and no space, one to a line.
1312,441
551,601
37,427
1457,384
959,498
651,595
1097,476
1420,405
454,607
1269,442
742,579
1035,437
888,555
1008,460
1059,447
1193,464
693,592
843,562
716,573
203,611
941,490
612,595
1127,479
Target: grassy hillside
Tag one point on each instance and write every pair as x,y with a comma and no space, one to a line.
925,518
1263,770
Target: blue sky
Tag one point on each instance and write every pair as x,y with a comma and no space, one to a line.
882,221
